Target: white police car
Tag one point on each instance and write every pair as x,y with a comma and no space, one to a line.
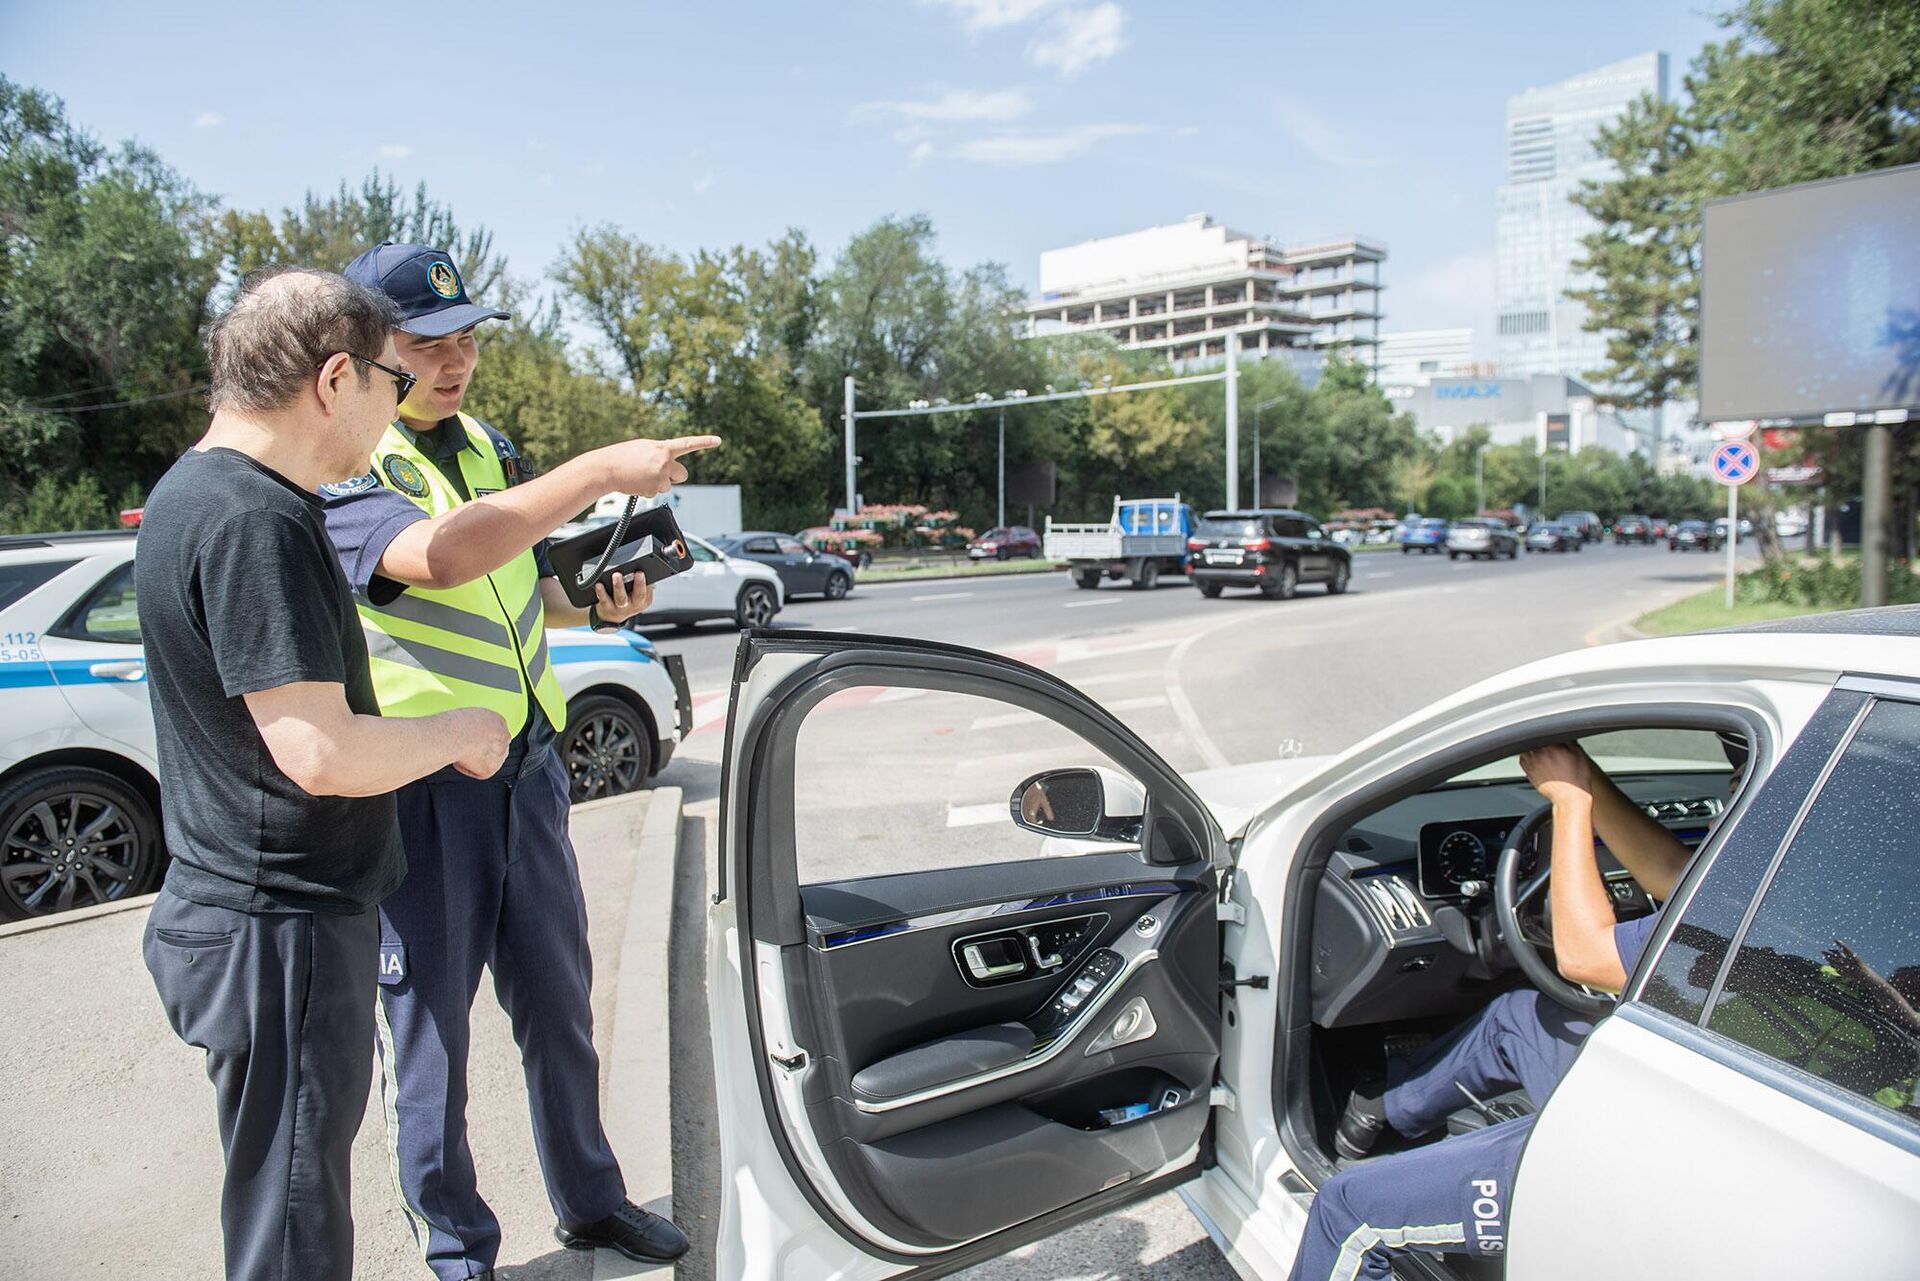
949,1021
79,803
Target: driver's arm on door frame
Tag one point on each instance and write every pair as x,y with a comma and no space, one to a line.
1583,919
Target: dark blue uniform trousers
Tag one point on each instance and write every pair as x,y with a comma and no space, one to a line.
282,1003
491,881
1450,1197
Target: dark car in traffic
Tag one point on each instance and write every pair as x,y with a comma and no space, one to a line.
1004,542
1585,524
1633,529
1694,536
1477,536
1423,534
803,571
1273,550
1552,536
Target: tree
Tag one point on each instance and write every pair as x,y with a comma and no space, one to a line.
333,231
1803,89
105,271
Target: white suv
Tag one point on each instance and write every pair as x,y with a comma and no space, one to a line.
79,800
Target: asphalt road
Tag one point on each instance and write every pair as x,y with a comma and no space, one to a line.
1207,683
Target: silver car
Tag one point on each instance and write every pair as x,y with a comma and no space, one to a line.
1479,536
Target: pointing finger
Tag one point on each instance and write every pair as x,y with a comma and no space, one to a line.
688,444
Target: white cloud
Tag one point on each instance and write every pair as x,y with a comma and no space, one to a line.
393,151
1319,135
920,154
703,182
955,105
1453,293
209,120
987,15
1079,38
1041,148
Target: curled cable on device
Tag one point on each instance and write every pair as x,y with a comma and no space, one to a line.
613,544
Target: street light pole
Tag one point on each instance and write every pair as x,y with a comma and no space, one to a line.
1002,521
847,387
1479,482
1233,419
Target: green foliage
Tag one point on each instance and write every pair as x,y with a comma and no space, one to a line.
54,504
104,275
1822,582
1801,90
331,232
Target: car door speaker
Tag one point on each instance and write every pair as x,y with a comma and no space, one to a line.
1133,1023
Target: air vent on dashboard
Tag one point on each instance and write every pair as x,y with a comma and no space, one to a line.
1400,909
1699,807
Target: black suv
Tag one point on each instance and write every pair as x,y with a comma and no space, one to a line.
1272,550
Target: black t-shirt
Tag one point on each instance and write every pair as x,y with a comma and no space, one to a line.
240,592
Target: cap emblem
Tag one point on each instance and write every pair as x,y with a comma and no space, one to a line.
441,279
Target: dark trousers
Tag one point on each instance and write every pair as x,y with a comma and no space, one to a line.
1520,1039
282,1004
491,882
1450,1197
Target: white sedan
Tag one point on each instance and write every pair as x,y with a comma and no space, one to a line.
735,588
78,761
1113,980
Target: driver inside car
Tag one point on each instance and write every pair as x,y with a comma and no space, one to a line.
1451,1197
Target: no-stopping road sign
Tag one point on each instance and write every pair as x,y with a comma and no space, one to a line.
1735,463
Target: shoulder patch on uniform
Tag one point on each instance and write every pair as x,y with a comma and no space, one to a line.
348,488
405,476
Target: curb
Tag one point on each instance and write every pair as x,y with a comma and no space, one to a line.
637,1109
36,923
945,576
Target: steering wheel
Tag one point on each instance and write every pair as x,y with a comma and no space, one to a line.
1509,897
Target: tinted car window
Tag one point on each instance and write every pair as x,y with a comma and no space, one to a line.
1827,978
1290,526
1231,528
110,614
700,551
761,547
790,547
17,580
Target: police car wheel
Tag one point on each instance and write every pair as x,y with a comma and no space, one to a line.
73,837
606,748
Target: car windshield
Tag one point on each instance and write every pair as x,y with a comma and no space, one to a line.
1230,527
1629,751
1433,524
996,533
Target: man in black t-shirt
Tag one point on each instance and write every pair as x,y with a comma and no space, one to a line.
276,770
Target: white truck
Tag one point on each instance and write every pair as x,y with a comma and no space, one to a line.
706,510
1145,537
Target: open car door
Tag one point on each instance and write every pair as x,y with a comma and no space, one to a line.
952,1011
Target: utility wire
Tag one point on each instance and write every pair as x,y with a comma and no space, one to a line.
119,404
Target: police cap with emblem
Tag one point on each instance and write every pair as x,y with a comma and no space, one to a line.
426,286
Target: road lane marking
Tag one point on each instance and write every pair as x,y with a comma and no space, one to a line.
1079,651
1003,719
1114,678
1378,573
1089,604
975,815
940,596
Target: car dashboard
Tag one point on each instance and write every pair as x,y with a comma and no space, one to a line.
1403,919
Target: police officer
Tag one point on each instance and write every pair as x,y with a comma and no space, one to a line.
442,542
1451,1197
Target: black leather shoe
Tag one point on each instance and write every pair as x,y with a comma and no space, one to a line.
1361,1123
639,1234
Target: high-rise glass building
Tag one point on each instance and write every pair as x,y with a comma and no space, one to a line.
1551,132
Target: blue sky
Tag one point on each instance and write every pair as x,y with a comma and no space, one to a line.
1017,125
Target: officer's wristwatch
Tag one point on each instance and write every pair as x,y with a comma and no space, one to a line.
598,623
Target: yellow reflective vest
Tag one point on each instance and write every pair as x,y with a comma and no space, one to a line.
481,644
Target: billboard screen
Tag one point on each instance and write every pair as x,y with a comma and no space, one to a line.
1810,299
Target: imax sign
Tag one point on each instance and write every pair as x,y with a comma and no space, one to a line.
1467,391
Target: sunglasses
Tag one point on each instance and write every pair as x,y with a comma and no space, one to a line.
402,380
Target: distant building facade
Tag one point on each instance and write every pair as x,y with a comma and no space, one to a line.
1178,289
1551,132
1549,411
1414,357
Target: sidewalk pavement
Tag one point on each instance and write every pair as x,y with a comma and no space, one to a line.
112,1164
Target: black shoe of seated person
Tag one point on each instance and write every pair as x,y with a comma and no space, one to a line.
1361,1124
639,1234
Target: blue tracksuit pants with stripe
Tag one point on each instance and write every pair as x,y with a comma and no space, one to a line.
1450,1197
491,882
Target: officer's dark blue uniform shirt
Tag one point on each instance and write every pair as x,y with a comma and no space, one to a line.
363,520
1630,939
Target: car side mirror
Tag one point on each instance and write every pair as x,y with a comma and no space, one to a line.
1086,802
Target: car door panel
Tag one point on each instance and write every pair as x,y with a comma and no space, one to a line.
924,1116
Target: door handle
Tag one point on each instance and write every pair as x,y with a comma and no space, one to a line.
986,970
124,669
